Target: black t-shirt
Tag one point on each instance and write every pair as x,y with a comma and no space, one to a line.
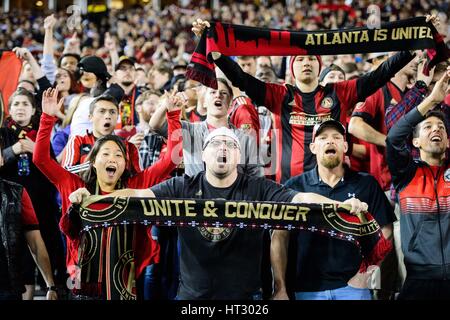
221,263
324,263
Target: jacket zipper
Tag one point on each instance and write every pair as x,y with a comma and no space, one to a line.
435,178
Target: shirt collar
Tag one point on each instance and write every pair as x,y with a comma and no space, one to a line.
315,179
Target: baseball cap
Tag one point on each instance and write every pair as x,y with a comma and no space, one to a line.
375,55
124,59
95,65
221,132
318,128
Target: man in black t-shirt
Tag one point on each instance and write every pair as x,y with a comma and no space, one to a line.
329,269
221,263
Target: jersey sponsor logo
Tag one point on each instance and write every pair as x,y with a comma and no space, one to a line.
447,175
215,234
327,103
304,119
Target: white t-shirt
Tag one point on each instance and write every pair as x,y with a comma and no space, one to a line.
80,120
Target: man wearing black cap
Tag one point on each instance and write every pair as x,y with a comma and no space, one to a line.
94,77
329,269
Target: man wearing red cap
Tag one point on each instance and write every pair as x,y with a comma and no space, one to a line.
298,108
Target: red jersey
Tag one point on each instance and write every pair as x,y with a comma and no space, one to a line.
146,249
244,116
373,111
296,112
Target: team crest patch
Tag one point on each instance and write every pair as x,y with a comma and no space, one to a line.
447,175
327,103
215,234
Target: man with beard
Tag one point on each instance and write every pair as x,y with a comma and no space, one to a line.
422,187
327,269
221,263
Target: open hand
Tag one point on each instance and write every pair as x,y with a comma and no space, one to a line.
50,103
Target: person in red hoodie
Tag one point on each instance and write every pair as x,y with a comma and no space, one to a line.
115,247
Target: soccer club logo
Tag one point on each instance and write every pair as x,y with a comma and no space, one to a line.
215,234
447,175
327,103
105,211
124,276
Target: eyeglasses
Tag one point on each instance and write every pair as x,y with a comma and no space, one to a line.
228,144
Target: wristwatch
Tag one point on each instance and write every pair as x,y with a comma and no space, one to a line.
420,84
51,288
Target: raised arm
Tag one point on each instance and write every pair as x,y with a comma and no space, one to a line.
158,118
411,99
48,65
41,156
253,87
398,155
25,54
164,166
370,82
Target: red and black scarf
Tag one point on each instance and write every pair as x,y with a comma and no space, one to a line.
237,40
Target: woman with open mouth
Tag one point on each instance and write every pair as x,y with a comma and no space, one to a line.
112,258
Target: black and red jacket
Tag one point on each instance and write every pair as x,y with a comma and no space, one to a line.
296,112
423,193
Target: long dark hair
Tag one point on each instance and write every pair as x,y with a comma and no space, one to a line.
73,81
90,175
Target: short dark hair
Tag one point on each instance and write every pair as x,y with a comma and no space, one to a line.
432,113
103,97
73,55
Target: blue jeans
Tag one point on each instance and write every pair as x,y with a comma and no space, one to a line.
344,293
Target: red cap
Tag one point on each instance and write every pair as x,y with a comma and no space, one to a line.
319,58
